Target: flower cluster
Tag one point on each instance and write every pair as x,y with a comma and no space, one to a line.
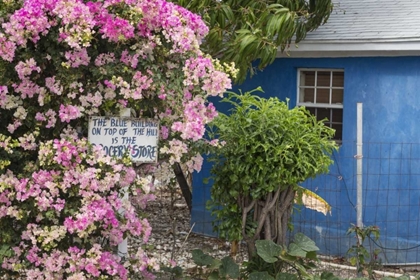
62,61
62,213
149,59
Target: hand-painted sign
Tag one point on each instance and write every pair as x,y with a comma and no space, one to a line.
120,135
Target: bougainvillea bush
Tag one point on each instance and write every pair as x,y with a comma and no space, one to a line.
62,219
62,61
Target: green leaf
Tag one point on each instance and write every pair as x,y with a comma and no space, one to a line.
312,255
228,12
328,276
202,259
353,261
305,243
214,275
296,251
5,251
246,42
268,250
275,6
243,31
176,271
286,276
275,23
282,11
229,268
260,275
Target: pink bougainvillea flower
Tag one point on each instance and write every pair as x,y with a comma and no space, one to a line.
67,60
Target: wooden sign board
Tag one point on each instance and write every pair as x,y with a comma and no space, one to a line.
120,135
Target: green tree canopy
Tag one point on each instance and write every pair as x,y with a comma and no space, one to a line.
245,31
269,149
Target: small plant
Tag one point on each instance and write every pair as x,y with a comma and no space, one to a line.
326,276
175,272
280,262
213,268
365,260
272,262
208,267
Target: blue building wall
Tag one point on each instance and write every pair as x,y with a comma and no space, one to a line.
389,91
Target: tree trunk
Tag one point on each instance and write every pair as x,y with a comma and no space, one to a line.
252,249
271,215
183,184
285,208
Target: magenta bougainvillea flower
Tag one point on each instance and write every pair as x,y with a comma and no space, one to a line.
62,61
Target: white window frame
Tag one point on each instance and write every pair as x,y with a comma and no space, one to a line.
315,87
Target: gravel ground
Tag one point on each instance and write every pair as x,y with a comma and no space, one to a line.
172,239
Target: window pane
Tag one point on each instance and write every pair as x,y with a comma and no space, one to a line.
324,90
338,79
337,115
322,113
337,96
307,95
323,95
323,79
307,78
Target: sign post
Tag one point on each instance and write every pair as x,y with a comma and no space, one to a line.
123,135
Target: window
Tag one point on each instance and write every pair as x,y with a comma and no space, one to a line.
321,92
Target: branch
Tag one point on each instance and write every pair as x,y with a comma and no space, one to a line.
183,184
267,227
287,197
245,211
267,207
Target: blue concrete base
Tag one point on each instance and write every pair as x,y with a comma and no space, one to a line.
335,243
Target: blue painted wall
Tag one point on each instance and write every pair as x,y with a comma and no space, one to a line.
389,89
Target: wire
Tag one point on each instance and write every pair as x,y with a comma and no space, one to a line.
341,178
393,249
